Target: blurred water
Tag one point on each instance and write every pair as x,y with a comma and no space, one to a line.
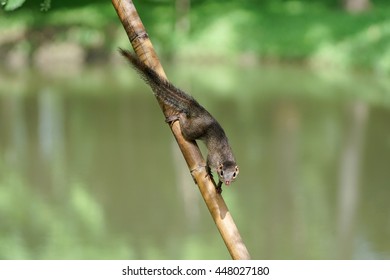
89,170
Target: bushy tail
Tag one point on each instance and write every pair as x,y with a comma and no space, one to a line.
161,87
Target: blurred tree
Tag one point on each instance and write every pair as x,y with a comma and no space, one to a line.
182,16
356,6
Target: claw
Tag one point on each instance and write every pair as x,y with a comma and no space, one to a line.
219,187
208,172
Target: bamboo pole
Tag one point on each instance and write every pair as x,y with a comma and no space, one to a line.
143,48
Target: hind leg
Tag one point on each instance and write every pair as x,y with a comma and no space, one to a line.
171,118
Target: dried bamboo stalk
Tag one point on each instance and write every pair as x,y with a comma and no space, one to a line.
143,48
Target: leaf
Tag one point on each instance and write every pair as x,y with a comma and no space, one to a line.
12,5
45,5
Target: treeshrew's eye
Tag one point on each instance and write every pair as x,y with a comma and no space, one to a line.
221,173
234,175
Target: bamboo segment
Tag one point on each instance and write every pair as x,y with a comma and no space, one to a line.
215,203
138,37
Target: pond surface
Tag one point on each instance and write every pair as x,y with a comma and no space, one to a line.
89,169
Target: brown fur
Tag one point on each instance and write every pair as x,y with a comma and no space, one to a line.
195,121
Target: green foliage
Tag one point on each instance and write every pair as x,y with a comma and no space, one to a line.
45,5
10,5
315,32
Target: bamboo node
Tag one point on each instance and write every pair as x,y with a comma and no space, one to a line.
141,35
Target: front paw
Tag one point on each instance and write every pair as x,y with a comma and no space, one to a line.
208,172
219,187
